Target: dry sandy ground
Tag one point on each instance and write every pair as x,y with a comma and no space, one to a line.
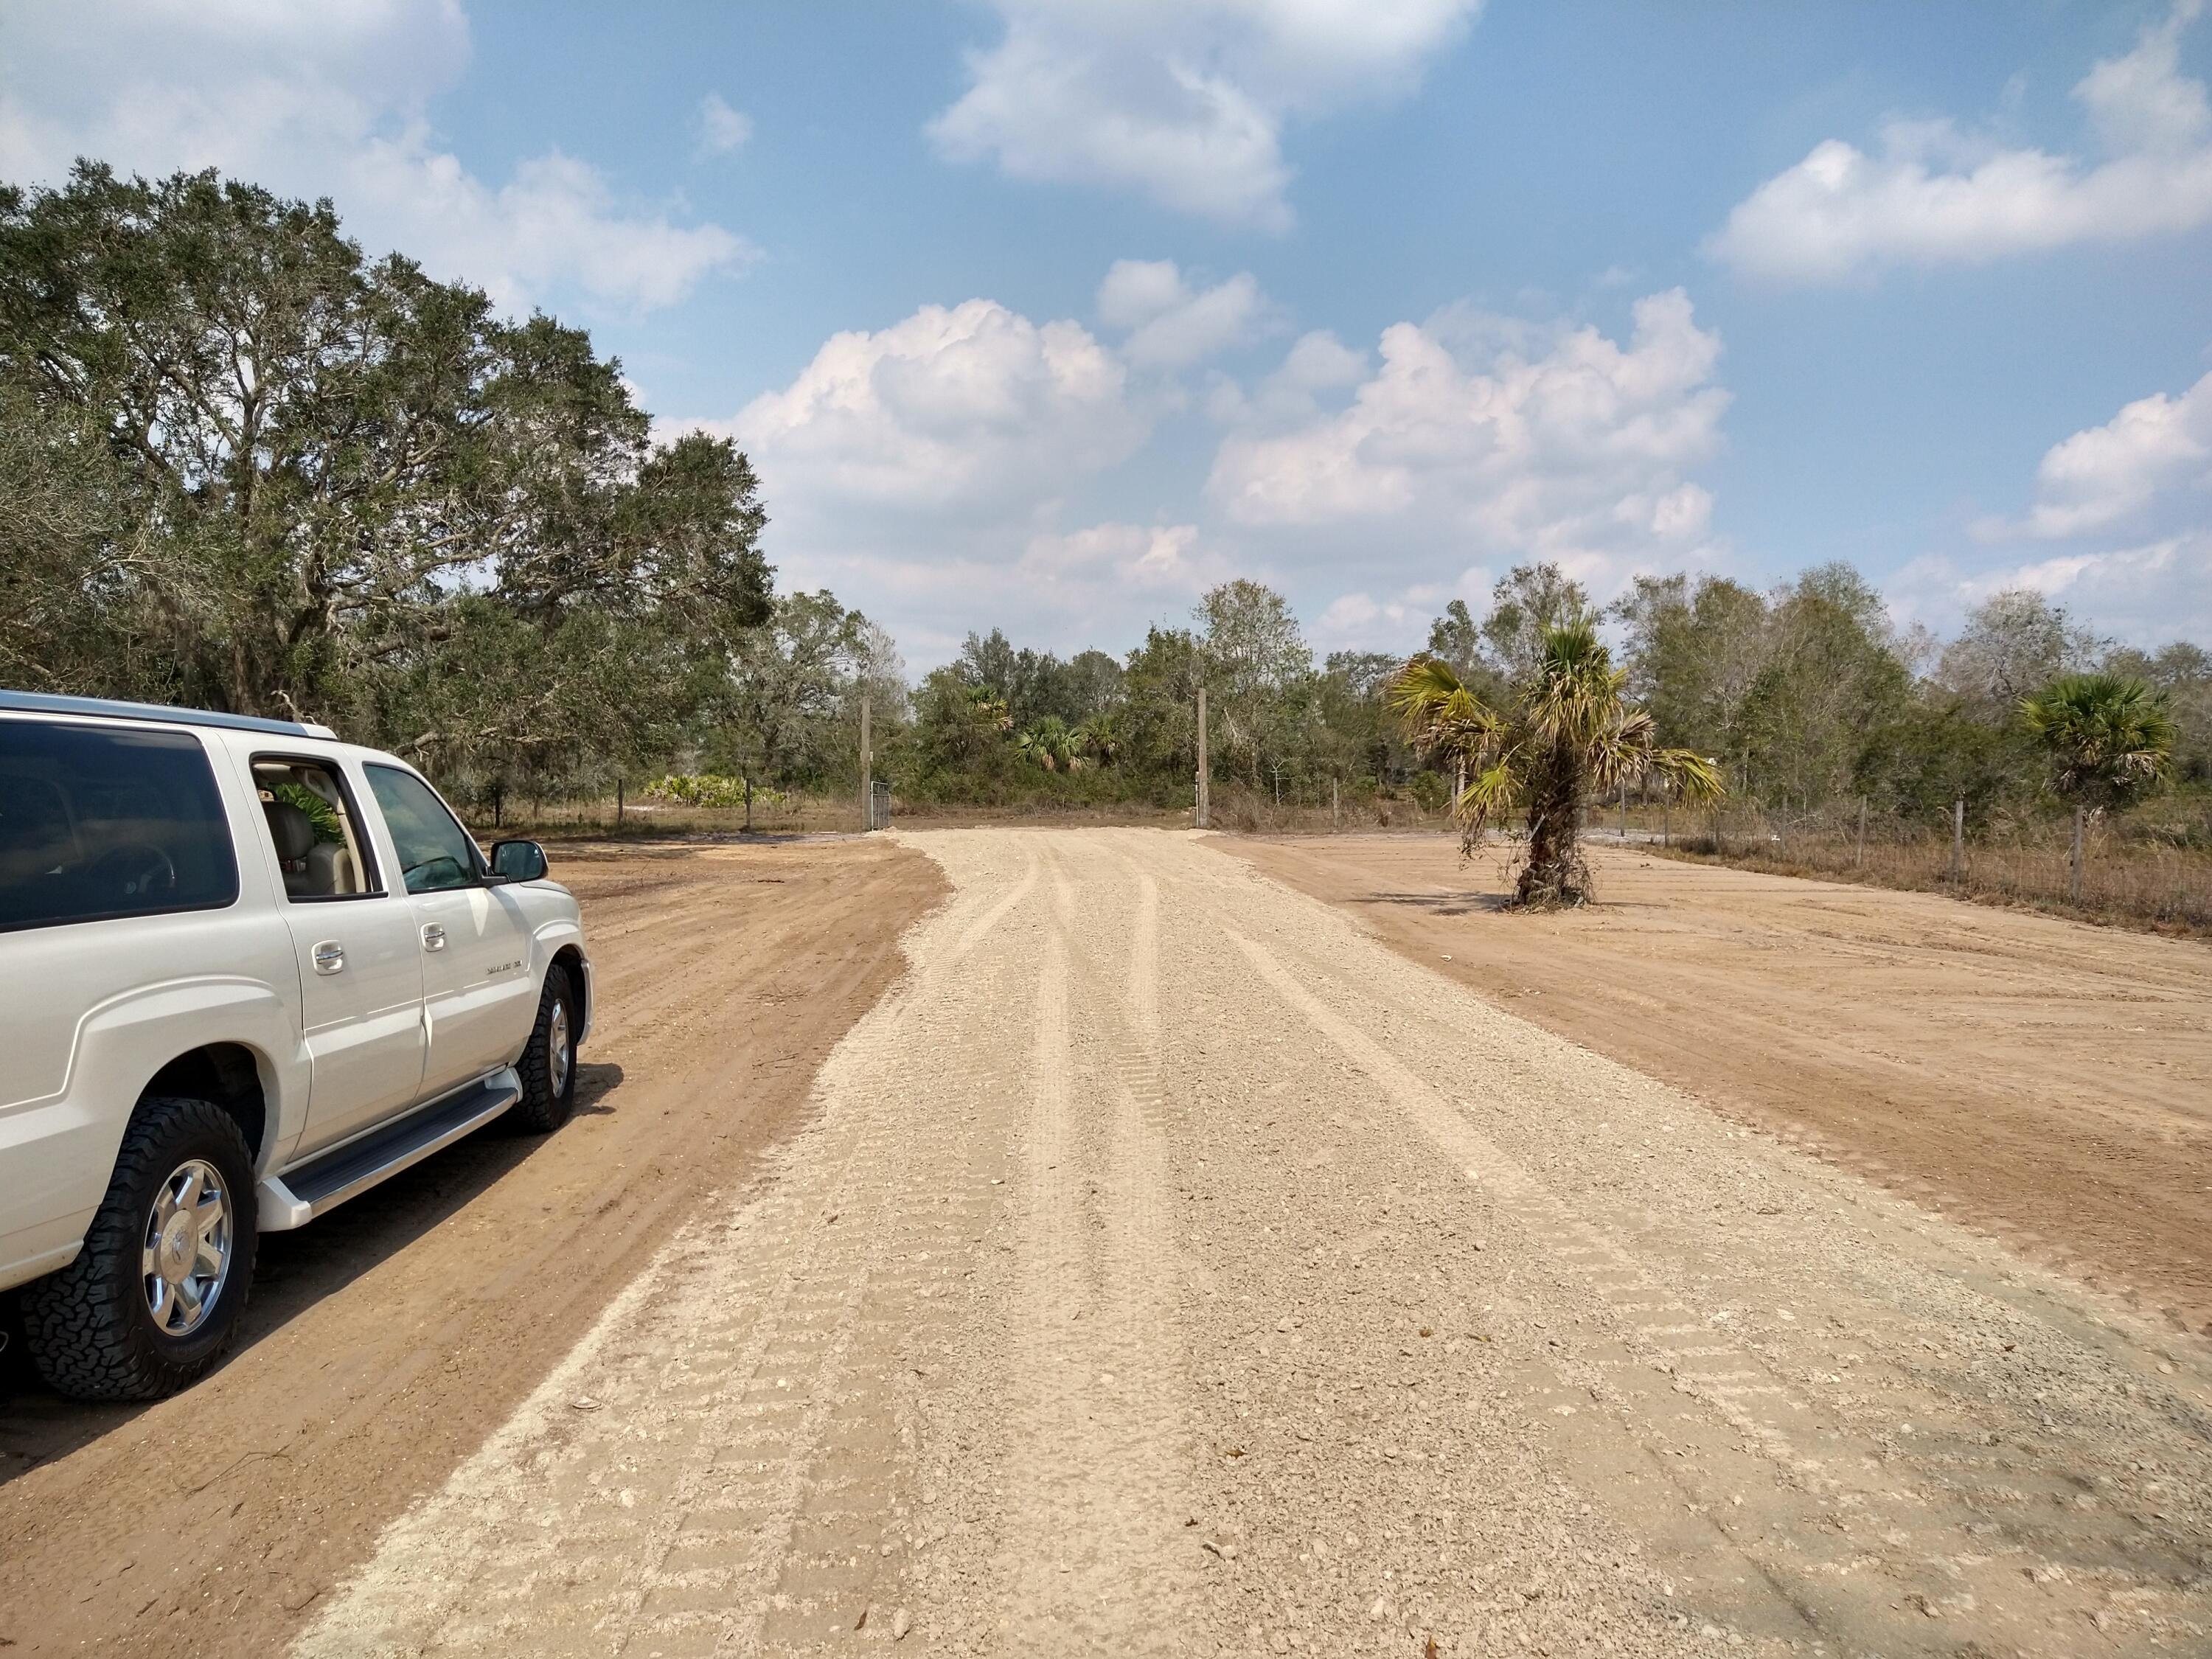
1168,1266
384,1342
2047,1082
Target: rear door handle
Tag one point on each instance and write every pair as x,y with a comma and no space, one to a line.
330,957
433,937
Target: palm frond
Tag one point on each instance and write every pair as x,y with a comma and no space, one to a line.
1697,777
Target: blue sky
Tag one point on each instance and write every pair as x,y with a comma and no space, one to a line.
1046,314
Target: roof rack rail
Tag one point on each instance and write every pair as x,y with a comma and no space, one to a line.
41,702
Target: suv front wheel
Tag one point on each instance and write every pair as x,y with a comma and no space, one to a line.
548,1069
154,1295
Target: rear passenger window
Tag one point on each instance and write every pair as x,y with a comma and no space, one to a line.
312,829
101,821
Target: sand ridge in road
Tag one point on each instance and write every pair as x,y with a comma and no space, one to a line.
2046,1081
1169,1268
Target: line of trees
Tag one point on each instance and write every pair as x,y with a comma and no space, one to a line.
1803,696
243,467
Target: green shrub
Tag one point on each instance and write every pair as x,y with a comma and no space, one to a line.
321,812
713,789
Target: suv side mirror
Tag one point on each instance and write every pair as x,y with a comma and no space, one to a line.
518,860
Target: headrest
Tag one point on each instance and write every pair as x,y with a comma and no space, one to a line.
292,830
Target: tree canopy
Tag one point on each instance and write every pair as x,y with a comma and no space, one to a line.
251,471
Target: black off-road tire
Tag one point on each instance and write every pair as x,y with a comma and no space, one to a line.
549,1088
90,1332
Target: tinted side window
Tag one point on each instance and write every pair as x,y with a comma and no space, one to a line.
103,821
434,851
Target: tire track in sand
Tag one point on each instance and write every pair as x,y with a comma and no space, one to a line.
1094,1559
1797,1523
659,1493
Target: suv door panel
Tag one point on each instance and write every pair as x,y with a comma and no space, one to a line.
361,1003
474,941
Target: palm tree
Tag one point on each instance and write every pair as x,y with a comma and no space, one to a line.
1100,738
1048,744
2109,739
1566,735
990,709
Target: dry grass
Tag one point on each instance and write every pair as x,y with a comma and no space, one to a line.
2125,881
795,815
561,820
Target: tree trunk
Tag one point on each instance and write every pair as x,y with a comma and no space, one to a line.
1554,873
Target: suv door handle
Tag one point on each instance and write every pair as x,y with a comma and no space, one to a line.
330,957
433,937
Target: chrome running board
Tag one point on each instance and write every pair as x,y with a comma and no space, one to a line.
307,1190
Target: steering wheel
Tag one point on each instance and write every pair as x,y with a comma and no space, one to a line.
136,866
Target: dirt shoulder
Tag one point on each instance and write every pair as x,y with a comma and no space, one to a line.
2045,1082
386,1341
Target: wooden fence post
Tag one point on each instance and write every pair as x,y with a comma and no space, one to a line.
1335,805
1958,842
749,804
2074,858
618,801
1624,809
1203,768
867,767
1858,858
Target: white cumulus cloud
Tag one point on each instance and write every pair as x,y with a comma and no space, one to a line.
331,100
950,410
1170,325
722,129
1932,193
926,468
1183,101
1118,558
2158,447
1478,438
2121,523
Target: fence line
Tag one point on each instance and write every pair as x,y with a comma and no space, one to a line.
2125,878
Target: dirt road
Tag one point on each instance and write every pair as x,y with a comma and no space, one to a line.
384,1342
1167,1266
2047,1082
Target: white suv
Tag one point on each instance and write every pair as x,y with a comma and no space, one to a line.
246,971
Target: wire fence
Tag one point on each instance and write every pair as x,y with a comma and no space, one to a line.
623,815
2127,876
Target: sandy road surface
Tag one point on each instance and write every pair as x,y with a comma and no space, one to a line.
1170,1267
2047,1082
386,1341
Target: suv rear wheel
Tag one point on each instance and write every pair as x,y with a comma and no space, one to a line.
549,1064
154,1295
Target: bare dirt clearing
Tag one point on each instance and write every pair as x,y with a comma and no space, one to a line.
1170,1267
2048,1082
386,1341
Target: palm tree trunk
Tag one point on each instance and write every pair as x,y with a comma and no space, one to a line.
1554,873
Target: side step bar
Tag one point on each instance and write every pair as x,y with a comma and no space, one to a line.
304,1192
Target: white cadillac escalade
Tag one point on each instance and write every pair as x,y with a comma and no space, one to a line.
247,972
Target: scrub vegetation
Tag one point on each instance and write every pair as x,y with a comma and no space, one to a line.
242,466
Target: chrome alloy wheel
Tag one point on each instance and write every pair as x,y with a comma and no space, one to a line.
560,1053
186,1257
